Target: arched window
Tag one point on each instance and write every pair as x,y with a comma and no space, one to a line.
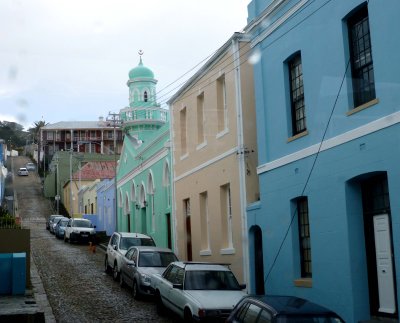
166,182
133,192
145,96
126,204
150,191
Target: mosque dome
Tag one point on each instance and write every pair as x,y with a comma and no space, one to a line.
141,71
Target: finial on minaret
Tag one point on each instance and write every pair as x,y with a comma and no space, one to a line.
140,52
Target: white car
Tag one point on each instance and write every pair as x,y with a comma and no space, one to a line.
197,291
23,172
79,230
119,243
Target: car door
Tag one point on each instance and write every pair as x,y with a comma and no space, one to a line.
68,229
111,249
132,255
177,296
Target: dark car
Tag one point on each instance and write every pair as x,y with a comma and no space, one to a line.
59,228
281,309
139,263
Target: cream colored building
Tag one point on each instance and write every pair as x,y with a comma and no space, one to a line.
213,130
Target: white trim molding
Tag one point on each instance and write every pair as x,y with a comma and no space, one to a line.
207,163
356,133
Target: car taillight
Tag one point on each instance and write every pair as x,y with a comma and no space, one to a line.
201,312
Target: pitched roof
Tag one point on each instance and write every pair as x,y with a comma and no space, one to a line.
62,125
96,170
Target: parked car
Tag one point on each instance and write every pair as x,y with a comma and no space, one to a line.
30,166
50,219
139,263
59,229
197,291
280,309
53,222
79,230
117,246
23,172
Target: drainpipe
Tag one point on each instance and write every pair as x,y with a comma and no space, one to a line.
241,160
172,181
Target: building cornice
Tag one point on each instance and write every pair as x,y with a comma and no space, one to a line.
341,139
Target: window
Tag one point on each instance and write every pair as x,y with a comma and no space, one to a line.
362,67
186,205
205,243
145,96
226,215
200,119
297,95
50,135
182,119
222,110
304,237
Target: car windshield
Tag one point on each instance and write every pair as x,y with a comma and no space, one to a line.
128,242
308,319
156,259
210,280
63,223
81,224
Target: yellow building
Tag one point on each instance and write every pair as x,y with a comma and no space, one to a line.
214,159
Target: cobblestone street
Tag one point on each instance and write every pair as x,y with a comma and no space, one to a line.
77,288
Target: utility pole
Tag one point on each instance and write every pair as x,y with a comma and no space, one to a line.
115,120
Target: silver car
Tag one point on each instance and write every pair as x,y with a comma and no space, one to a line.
23,172
139,263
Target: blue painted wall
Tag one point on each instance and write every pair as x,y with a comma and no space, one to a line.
105,206
356,146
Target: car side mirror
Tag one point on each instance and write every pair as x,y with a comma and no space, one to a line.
177,286
131,263
115,247
242,286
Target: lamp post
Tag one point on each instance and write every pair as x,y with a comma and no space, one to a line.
57,189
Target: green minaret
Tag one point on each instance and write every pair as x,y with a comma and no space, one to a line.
144,113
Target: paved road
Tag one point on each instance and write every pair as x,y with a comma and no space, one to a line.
77,288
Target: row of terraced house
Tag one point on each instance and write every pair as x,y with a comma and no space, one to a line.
280,156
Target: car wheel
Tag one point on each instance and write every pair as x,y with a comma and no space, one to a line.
106,266
115,272
159,305
135,290
187,316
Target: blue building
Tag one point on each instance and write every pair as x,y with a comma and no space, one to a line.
326,227
106,218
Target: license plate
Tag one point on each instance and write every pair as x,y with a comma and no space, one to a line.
85,235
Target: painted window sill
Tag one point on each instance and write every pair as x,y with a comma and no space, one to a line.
303,282
299,135
363,107
227,251
205,252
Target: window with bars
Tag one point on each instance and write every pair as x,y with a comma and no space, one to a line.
304,237
297,95
362,67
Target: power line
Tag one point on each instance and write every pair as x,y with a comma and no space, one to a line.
313,164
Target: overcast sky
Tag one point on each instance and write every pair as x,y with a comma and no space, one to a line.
66,60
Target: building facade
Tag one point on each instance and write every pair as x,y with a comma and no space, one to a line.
144,176
214,158
100,137
106,206
326,227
